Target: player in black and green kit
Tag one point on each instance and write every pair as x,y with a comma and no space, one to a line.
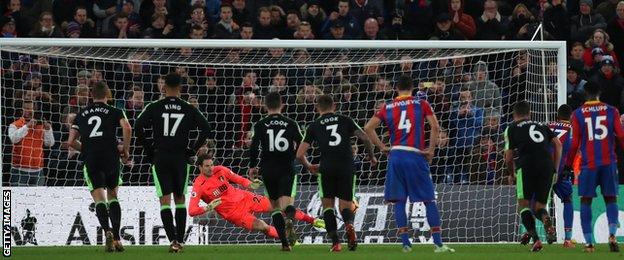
96,126
171,120
534,169
332,133
278,136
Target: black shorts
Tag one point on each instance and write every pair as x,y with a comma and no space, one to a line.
534,183
102,174
279,180
337,182
170,173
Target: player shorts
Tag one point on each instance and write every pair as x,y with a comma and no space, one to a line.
102,174
244,216
408,175
336,182
563,187
605,176
279,180
534,183
170,173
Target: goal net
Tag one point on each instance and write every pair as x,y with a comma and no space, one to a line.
470,85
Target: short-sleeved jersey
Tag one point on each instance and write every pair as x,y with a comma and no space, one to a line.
405,118
531,143
277,136
595,128
97,125
563,130
216,186
172,120
332,133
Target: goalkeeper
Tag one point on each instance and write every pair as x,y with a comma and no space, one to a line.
235,205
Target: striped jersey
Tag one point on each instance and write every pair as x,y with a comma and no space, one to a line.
563,130
595,128
405,119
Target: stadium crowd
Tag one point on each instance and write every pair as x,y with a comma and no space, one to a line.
470,95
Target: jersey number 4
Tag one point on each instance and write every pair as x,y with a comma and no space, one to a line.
176,124
277,142
598,126
404,123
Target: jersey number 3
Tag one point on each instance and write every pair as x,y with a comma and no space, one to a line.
334,133
176,124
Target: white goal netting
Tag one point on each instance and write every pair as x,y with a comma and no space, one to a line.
471,91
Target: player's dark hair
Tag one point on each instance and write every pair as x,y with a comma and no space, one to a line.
201,158
173,80
592,90
564,112
273,100
522,108
99,90
405,82
324,102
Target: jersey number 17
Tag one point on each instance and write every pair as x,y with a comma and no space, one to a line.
176,124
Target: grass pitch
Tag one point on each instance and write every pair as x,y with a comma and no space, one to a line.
321,252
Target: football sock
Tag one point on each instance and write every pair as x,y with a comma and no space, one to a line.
102,214
568,218
528,220
114,212
180,222
290,212
347,215
330,224
612,217
542,215
586,217
167,219
272,232
279,224
401,219
433,217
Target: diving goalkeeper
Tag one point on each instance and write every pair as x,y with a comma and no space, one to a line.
235,205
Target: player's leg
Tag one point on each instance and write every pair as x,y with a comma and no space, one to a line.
609,188
113,181
587,191
163,183
396,192
272,185
327,192
250,222
180,182
346,189
542,195
96,182
563,190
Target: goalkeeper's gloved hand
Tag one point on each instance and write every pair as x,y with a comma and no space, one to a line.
567,172
213,204
256,183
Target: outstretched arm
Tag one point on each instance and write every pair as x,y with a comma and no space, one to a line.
302,151
127,137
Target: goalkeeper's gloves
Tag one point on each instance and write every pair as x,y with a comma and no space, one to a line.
256,183
213,204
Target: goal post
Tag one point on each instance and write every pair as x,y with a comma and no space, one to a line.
470,84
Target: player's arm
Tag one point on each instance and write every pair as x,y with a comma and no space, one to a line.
368,145
253,149
193,208
434,133
370,127
141,122
509,163
127,136
302,152
204,130
240,180
558,149
72,141
576,139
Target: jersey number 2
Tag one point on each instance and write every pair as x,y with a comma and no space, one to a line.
176,124
95,132
277,142
593,128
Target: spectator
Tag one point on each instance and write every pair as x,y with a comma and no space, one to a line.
352,29
440,99
64,10
491,25
303,110
81,97
277,17
226,27
149,8
336,31
134,103
586,22
278,84
419,18
160,29
313,14
611,84
197,32
362,10
555,20
371,30
247,32
198,18
7,23
122,28
396,30
264,29
576,53
444,29
485,156
104,10
465,123
46,27
64,161
240,13
292,25
85,25
519,25
461,21
23,23
29,134
606,9
134,19
347,104
289,5
440,165
304,32
485,92
615,29
600,39
575,90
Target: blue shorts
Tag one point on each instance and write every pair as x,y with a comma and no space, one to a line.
563,188
408,176
605,176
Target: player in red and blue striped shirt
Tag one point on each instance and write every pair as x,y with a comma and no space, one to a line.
563,187
408,173
595,128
